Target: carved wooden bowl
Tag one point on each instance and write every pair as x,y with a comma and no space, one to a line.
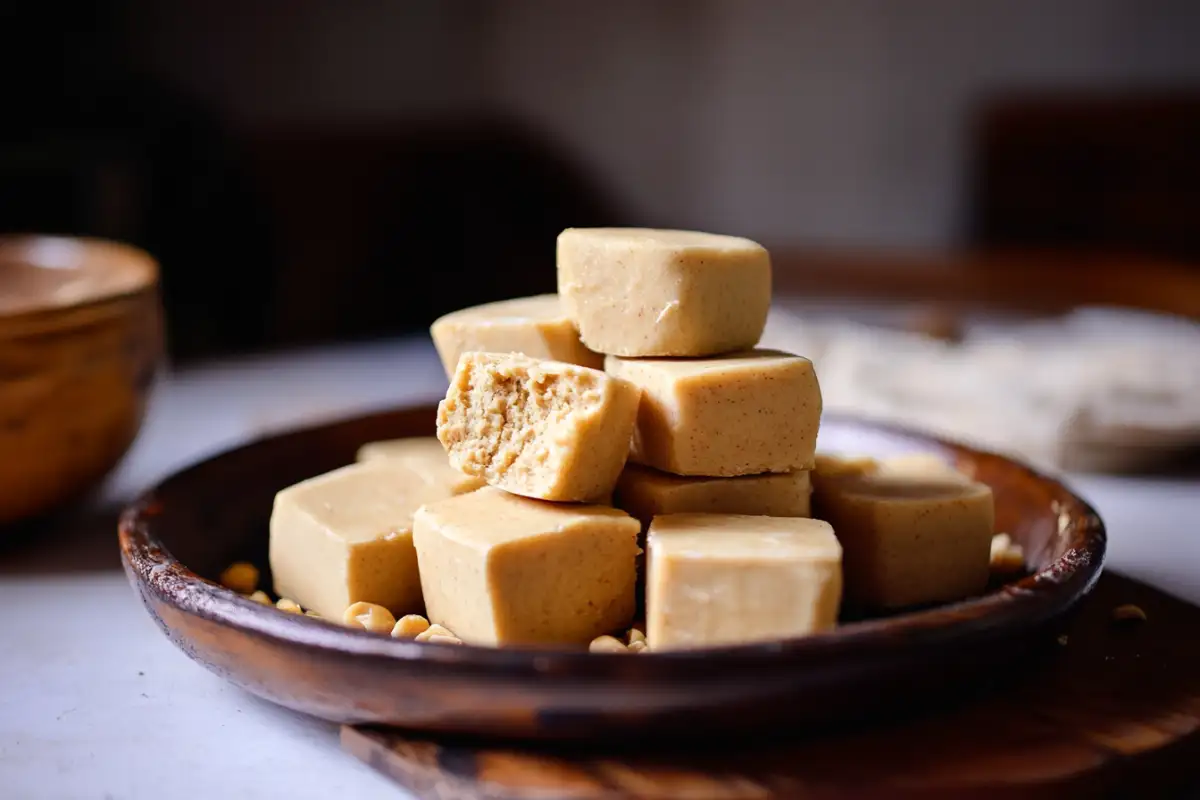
80,337
175,541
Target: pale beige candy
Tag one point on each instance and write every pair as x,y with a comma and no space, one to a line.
738,414
917,464
498,569
644,292
926,464
833,467
828,465
419,449
346,536
645,493
535,326
723,579
909,539
424,454
539,429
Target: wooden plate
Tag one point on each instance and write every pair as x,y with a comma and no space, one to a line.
217,512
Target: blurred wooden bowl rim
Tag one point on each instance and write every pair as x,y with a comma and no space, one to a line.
41,275
80,340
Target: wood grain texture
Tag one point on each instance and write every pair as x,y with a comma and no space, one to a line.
175,541
1115,712
1023,280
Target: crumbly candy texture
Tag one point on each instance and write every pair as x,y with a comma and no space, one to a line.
534,326
500,569
540,429
645,292
722,579
739,414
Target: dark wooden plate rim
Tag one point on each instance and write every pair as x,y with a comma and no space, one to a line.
1026,603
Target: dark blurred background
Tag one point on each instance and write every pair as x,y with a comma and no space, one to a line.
310,170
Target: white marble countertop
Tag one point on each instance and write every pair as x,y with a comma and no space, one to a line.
96,703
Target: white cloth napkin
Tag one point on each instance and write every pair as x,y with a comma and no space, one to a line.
1100,390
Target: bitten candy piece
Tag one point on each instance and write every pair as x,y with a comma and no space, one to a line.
737,414
909,539
425,455
643,292
539,429
646,493
346,536
535,326
722,579
498,569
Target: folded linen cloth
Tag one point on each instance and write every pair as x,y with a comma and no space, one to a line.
1099,390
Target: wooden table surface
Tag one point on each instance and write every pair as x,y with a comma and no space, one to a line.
1027,281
